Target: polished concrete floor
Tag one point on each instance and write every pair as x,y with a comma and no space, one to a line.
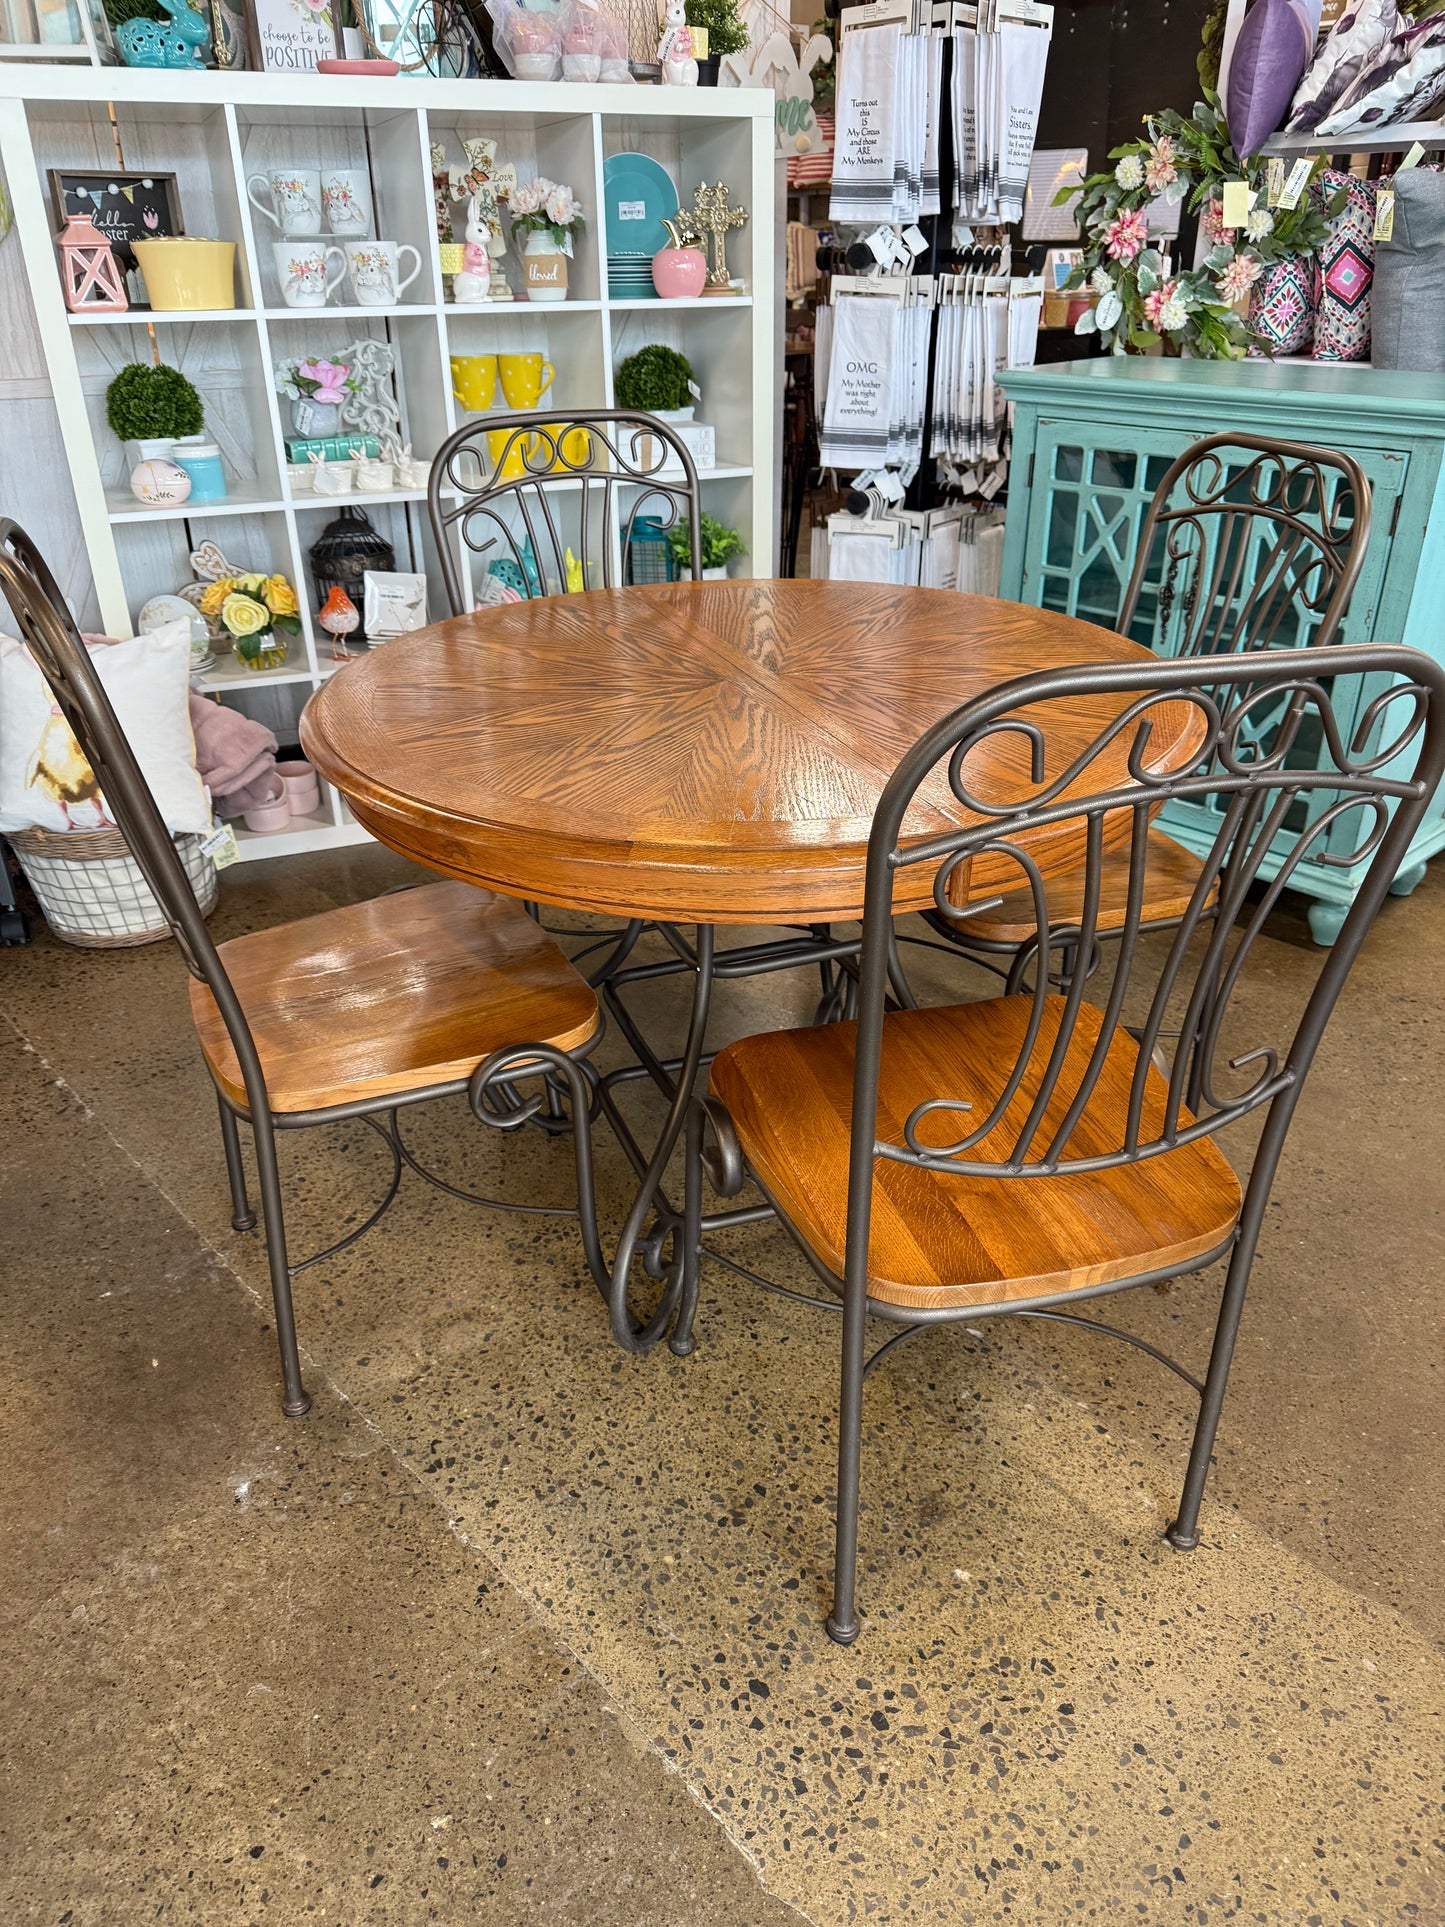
514,1627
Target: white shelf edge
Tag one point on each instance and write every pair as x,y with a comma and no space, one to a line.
452,309
152,86
343,312
691,301
319,833
228,505
141,317
213,685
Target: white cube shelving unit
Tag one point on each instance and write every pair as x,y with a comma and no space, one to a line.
212,131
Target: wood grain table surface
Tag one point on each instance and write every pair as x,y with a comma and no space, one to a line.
694,752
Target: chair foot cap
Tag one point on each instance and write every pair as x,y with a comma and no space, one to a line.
247,1223
1181,1541
297,1407
682,1347
840,1634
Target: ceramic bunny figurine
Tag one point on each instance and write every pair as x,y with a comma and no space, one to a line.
674,50
176,43
474,283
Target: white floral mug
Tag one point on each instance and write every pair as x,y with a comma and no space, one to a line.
295,199
301,270
374,270
346,197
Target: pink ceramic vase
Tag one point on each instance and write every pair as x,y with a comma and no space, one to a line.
678,274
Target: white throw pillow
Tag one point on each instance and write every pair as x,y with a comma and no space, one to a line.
45,782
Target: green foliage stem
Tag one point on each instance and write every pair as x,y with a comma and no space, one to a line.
719,544
726,33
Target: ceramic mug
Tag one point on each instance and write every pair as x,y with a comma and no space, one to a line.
346,197
374,270
574,450
522,445
474,382
525,378
295,199
301,271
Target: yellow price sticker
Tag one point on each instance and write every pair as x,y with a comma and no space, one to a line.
1238,200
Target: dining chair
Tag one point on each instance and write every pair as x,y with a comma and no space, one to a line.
1021,1155
522,488
355,1013
1248,544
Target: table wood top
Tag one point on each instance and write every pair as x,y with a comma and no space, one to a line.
694,752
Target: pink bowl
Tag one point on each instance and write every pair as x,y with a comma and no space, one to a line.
678,274
272,815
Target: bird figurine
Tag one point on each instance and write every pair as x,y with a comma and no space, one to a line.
58,769
339,618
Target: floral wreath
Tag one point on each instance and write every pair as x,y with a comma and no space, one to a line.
1193,311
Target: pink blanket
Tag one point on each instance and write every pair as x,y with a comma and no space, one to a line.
236,757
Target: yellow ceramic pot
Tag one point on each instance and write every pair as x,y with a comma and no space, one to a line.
184,273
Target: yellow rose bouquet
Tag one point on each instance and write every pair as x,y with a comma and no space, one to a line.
258,612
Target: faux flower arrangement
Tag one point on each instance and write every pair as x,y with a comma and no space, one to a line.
326,383
252,609
543,206
1192,312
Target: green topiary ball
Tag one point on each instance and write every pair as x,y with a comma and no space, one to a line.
654,378
150,404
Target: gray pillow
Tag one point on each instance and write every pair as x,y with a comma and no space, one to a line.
1408,298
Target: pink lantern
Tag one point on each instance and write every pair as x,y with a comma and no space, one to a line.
89,272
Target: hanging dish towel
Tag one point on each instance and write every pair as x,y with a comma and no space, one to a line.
860,382
865,130
1023,53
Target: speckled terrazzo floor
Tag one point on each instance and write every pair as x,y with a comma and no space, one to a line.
1049,1717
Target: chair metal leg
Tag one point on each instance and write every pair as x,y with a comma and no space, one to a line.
295,1399
682,1341
843,1620
243,1218
1183,1534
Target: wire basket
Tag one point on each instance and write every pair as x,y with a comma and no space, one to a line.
92,890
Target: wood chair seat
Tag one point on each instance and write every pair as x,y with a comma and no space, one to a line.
1171,875
395,995
940,1240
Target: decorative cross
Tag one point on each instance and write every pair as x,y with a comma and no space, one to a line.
711,214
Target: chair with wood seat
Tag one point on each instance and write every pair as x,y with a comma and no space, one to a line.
493,493
353,1013
1024,1154
1248,544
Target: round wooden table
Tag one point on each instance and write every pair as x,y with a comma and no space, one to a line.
693,752
699,753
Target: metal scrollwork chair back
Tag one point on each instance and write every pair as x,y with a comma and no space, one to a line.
1248,545
615,466
450,974
1009,1156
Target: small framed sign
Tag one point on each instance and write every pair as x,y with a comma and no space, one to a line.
125,207
290,36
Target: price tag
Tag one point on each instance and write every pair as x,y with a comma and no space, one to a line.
1385,215
1238,200
632,210
1273,181
694,390
1412,159
1295,186
220,847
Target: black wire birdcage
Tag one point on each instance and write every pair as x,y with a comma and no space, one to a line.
341,555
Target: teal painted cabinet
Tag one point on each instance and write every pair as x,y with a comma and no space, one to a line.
1091,442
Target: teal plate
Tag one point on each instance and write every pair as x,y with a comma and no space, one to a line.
639,196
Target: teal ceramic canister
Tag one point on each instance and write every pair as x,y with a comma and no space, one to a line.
202,462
